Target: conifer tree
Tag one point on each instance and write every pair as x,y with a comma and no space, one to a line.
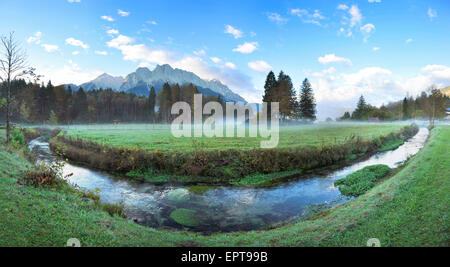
151,104
307,102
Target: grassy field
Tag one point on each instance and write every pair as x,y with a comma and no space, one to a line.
159,137
408,209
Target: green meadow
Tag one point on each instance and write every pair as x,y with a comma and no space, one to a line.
159,137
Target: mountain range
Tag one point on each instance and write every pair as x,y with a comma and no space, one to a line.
142,80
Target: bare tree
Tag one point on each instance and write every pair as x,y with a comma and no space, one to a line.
435,104
13,65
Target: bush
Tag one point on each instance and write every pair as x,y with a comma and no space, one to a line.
360,182
17,138
42,176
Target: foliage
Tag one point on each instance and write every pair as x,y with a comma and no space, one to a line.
360,182
185,217
17,138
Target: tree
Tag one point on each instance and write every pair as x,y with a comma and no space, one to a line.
360,110
345,117
12,66
405,109
270,84
152,104
435,104
307,102
165,100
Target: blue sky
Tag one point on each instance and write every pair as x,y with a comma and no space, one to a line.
383,49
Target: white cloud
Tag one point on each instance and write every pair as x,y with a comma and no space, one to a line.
216,60
236,80
112,32
107,18
123,13
74,1
120,41
75,42
355,16
431,13
201,52
410,40
342,7
70,73
247,48
307,17
375,48
152,22
233,31
332,58
35,39
75,53
277,18
374,1
230,65
367,30
336,93
50,48
351,18
259,66
102,53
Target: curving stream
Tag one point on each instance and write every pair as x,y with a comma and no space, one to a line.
225,209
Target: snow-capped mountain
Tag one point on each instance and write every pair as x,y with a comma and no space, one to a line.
140,82
104,81
143,79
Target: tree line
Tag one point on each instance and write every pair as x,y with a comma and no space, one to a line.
293,107
430,104
48,104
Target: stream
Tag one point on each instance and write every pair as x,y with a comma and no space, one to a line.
224,209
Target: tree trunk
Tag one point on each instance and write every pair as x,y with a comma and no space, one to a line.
8,102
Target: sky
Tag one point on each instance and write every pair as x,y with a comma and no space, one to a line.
382,49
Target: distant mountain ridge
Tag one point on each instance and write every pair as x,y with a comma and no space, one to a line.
140,82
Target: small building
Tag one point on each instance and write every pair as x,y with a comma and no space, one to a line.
117,122
376,119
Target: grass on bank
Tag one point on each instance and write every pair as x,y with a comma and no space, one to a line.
409,209
159,137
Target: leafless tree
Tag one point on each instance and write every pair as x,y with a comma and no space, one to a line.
435,104
13,66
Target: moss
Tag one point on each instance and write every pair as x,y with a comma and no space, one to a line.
391,145
199,189
185,217
360,182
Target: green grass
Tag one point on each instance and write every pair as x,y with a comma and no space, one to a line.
391,145
360,182
408,209
159,137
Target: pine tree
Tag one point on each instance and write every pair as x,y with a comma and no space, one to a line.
284,93
151,104
271,83
405,109
307,102
360,110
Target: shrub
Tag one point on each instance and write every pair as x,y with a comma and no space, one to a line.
17,138
362,181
